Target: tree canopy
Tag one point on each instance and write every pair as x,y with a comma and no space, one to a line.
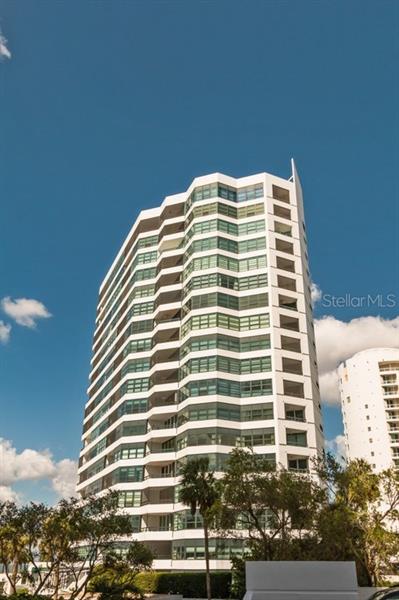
59,545
337,512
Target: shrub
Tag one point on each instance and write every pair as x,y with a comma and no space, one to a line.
147,581
191,584
23,595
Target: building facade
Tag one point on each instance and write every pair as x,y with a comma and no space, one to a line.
369,389
203,342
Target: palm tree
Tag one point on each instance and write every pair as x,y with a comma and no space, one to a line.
199,491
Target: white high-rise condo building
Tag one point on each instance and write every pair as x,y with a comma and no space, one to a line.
203,342
369,388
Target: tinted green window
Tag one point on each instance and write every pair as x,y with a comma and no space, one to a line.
144,308
252,227
258,343
250,192
252,245
201,228
256,388
253,281
233,212
258,412
131,428
143,274
128,452
224,321
134,366
99,447
145,257
225,387
218,549
128,474
137,346
135,385
214,299
227,281
257,262
223,191
142,292
185,520
226,437
224,262
135,522
140,326
204,412
228,365
245,212
261,437
297,439
147,241
129,499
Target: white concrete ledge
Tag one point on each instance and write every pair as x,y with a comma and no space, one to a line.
297,580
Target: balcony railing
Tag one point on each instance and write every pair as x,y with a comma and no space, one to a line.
159,476
156,528
157,426
159,501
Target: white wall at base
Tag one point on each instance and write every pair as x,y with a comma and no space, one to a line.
297,580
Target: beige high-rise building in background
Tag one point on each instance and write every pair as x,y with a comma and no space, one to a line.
369,388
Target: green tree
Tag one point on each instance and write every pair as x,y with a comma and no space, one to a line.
95,525
360,520
58,545
199,491
33,516
12,542
272,509
114,578
62,542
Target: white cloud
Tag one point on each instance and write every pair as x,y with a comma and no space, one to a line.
329,387
26,465
34,465
64,483
4,51
316,293
337,447
7,494
338,340
25,311
5,331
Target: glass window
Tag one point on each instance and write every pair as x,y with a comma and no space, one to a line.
146,257
297,439
129,499
245,212
226,387
298,464
252,245
250,228
280,193
137,346
257,412
140,309
143,274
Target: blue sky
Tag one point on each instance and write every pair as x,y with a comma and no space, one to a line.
106,107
